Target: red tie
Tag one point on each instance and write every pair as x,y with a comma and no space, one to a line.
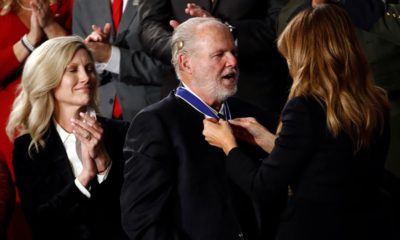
117,13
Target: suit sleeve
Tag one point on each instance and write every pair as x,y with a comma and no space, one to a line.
77,20
155,31
292,149
42,202
148,180
257,36
138,67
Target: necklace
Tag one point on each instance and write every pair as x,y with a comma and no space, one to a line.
23,7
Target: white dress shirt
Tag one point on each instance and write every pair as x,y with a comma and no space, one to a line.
73,149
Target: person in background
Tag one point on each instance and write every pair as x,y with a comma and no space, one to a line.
130,79
331,144
24,25
67,162
175,186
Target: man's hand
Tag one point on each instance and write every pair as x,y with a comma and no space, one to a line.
196,11
98,43
99,35
192,10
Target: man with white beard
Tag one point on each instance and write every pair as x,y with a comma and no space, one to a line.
175,185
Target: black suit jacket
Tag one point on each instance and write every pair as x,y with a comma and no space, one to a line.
175,184
53,205
335,192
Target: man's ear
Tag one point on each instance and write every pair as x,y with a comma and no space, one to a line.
184,63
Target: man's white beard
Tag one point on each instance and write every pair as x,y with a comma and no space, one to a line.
215,90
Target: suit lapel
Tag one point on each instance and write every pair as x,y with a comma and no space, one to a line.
127,17
58,156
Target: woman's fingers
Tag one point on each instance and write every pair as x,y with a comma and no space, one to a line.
88,125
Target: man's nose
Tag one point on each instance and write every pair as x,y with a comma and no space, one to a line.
231,60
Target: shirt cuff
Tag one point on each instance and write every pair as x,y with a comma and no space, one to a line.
81,188
103,177
114,62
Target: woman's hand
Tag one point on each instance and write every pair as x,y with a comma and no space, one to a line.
43,12
94,156
36,34
249,130
41,9
219,134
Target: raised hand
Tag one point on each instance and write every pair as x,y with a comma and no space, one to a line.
196,11
43,12
98,43
36,34
99,35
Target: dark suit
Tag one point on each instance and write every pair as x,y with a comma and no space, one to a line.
263,78
175,185
335,192
141,76
55,208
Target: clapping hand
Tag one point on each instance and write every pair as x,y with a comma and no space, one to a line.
94,156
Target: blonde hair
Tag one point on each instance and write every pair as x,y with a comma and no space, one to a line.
327,63
34,106
7,6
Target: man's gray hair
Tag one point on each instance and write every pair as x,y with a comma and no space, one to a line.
183,38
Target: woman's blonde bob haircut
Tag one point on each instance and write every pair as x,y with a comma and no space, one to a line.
34,106
327,63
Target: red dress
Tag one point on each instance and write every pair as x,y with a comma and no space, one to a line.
12,30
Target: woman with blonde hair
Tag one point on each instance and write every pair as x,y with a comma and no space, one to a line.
67,161
332,140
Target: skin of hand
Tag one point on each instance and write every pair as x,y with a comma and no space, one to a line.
249,130
44,15
36,33
94,155
219,134
98,43
194,11
43,12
